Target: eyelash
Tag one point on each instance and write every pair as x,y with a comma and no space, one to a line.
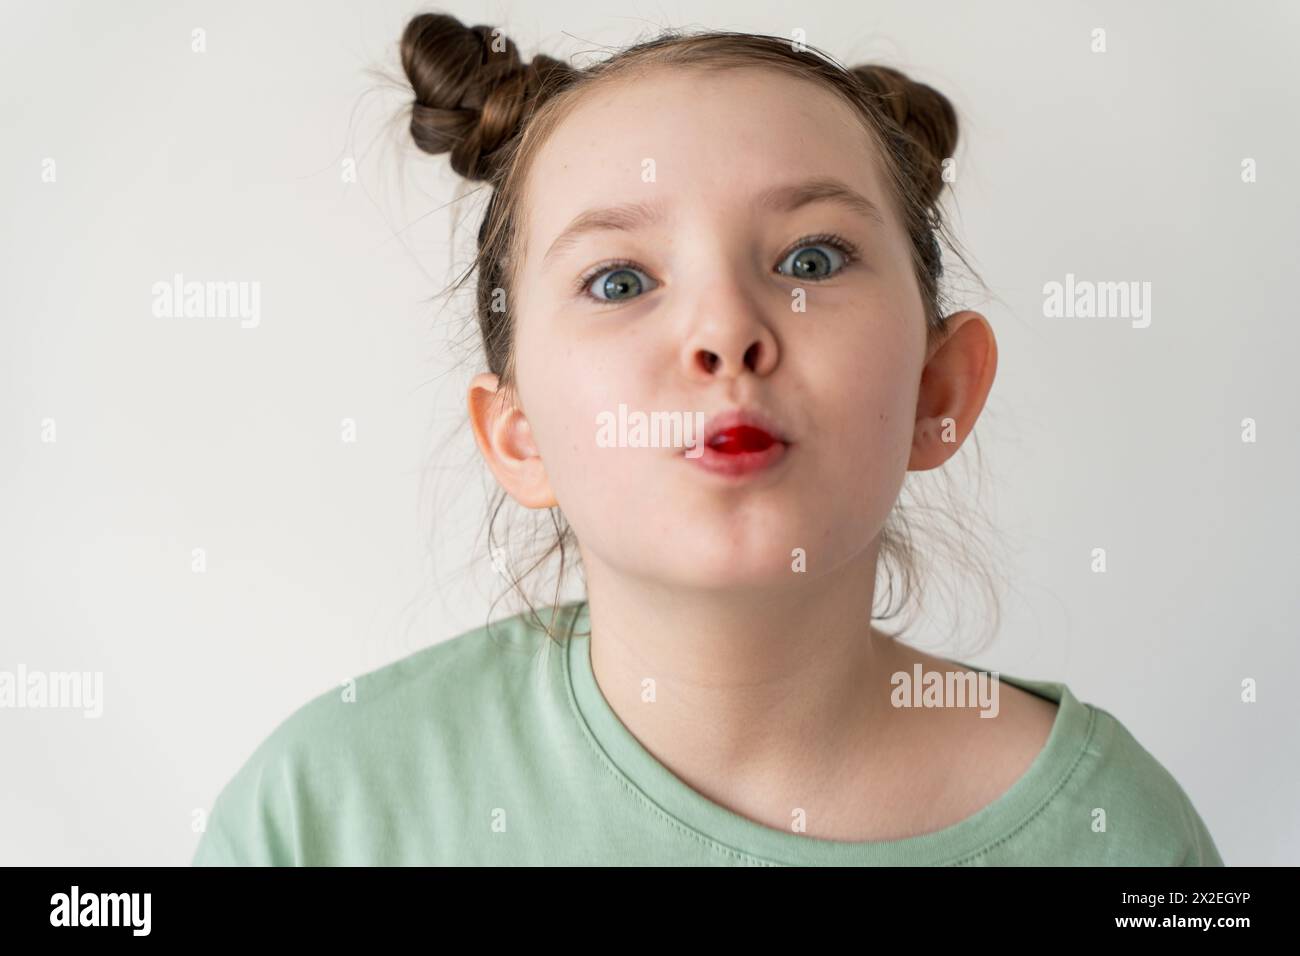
846,248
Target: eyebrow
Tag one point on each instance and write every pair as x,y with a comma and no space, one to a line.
628,217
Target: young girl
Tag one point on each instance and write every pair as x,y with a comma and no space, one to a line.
738,231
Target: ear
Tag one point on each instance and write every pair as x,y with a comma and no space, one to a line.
955,382
506,441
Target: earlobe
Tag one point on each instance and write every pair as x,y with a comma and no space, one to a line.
506,441
955,384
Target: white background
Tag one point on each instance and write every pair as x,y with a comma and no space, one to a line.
327,559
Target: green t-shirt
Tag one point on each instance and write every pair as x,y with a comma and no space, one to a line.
496,747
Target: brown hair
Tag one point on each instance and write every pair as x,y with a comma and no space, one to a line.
478,102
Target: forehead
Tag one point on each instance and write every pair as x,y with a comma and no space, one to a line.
692,136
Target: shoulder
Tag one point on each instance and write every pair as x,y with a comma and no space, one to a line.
432,683
1146,810
1110,802
355,740
1093,794
982,745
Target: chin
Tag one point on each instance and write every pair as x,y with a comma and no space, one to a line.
768,570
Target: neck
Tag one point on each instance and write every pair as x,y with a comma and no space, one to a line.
757,689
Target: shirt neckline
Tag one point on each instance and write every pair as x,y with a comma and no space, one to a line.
733,834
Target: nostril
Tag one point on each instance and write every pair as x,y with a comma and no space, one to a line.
708,360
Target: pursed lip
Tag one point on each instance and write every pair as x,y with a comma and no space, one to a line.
750,418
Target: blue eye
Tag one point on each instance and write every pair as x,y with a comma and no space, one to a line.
810,261
814,257
615,282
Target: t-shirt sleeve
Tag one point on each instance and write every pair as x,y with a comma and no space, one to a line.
1160,824
254,818
215,848
1201,850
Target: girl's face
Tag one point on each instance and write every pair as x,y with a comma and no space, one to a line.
701,175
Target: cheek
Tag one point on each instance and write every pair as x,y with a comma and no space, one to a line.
866,407
566,387
878,406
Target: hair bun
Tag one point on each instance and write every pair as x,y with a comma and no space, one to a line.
923,113
472,91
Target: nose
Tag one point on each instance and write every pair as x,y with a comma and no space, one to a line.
730,339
